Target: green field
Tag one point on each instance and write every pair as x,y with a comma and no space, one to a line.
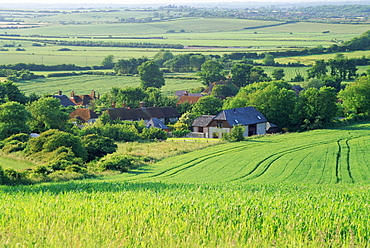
83,84
294,190
209,35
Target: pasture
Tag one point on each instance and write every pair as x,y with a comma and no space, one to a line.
83,84
318,157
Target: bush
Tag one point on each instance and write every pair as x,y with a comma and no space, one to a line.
14,146
236,134
180,133
118,162
98,146
154,133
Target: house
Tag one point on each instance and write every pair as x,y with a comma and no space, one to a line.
164,114
154,122
84,115
83,100
181,93
188,97
214,126
64,100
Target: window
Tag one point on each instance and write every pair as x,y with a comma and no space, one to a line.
219,124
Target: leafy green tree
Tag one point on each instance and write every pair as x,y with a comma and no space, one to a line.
108,62
313,83
318,70
13,119
118,162
278,74
315,108
97,146
208,105
269,60
196,61
211,71
150,75
240,74
154,133
258,74
162,56
47,114
356,96
10,92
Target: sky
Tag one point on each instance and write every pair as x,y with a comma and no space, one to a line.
155,2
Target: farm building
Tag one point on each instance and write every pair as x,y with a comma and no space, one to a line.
84,115
64,100
214,126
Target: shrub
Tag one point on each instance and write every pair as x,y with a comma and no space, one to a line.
119,162
154,133
98,146
14,146
180,133
21,137
236,134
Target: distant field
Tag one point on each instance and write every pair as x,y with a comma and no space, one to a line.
85,83
208,35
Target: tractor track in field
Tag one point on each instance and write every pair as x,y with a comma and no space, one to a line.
275,157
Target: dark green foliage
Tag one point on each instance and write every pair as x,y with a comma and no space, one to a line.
3,178
108,62
52,140
150,75
98,146
118,162
13,119
318,70
117,132
180,133
315,108
207,105
235,134
154,133
14,146
47,114
211,71
21,137
356,96
10,92
269,60
278,74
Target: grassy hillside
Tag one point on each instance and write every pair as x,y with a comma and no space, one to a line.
320,156
295,190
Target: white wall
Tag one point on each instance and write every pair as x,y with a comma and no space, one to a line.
261,128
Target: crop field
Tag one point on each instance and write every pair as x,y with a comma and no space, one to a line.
83,84
205,35
318,157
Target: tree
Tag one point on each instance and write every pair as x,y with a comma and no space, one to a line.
208,105
150,75
162,56
10,92
240,74
211,71
13,119
269,60
278,74
196,61
315,108
356,96
318,70
235,134
47,114
98,146
108,62
313,83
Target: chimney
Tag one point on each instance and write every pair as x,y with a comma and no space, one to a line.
72,94
98,95
59,92
186,93
93,94
142,104
113,104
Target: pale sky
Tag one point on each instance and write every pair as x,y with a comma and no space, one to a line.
160,2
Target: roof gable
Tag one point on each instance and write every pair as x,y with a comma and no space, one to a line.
64,100
83,114
154,122
203,120
241,116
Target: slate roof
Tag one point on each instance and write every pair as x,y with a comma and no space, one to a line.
64,100
243,116
83,114
154,122
203,120
142,113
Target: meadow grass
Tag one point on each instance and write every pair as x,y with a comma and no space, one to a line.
113,214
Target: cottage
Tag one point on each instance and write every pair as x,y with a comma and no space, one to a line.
83,100
64,100
155,122
164,114
84,115
215,126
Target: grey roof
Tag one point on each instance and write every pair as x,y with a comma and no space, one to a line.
203,120
243,116
64,100
154,122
